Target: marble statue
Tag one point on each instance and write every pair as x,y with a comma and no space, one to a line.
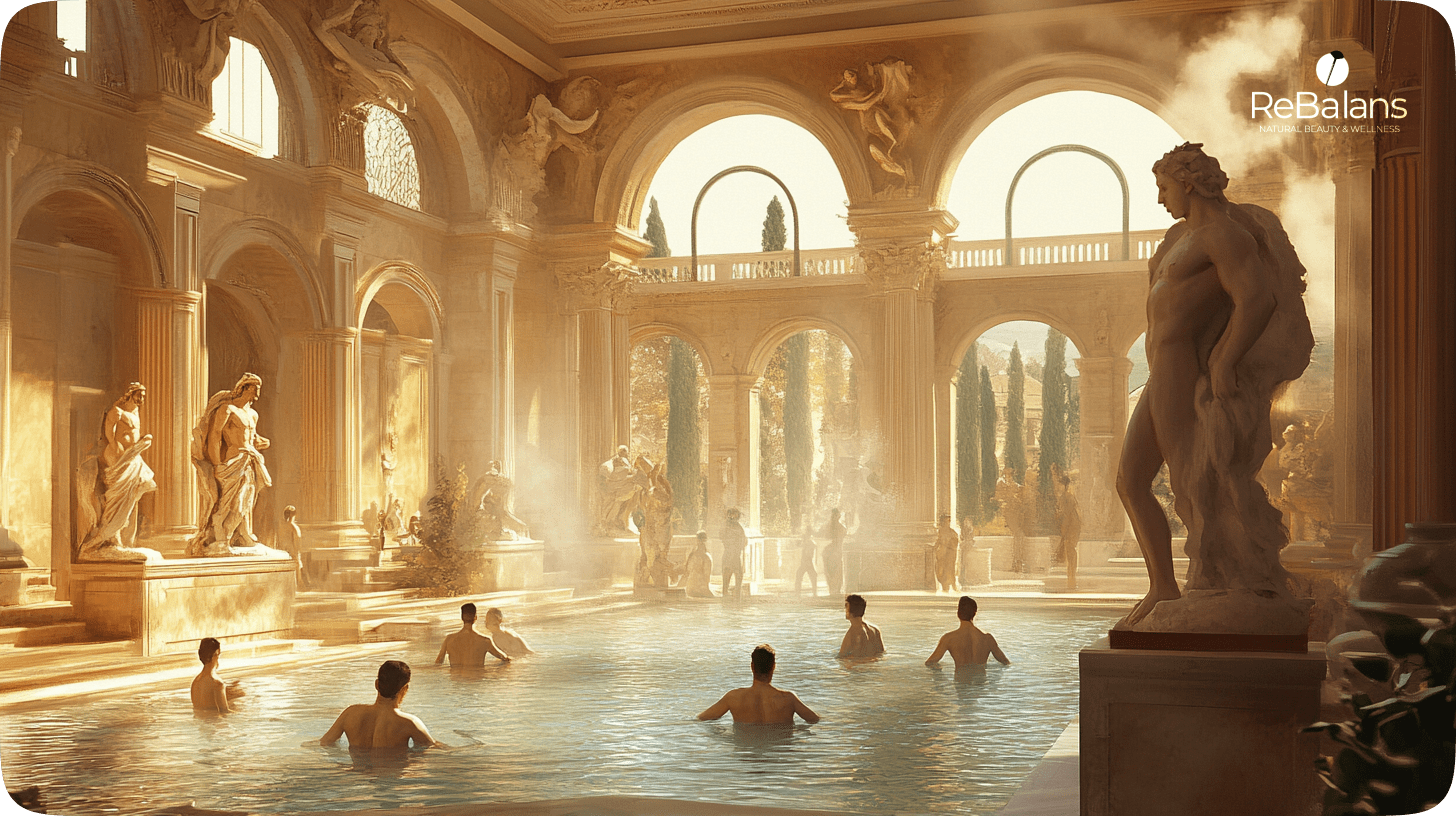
503,491
1226,329
227,453
356,33
880,96
519,165
806,563
833,554
110,483
620,494
216,24
698,572
1012,496
1069,521
968,545
290,540
1308,489
947,545
392,522
414,532
735,541
654,567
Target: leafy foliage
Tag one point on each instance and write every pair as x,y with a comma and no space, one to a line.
798,427
445,565
656,232
1398,754
775,234
1015,448
684,434
1052,440
990,470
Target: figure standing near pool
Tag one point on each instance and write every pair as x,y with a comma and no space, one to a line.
761,703
506,640
210,692
968,646
806,563
468,647
863,639
735,541
833,554
381,725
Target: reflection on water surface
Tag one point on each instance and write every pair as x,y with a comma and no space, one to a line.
607,708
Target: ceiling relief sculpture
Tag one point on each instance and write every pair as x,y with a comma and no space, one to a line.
356,34
880,94
518,172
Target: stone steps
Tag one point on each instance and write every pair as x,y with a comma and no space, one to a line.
37,614
393,617
44,634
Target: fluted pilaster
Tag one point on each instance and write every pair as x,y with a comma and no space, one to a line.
328,406
732,447
168,360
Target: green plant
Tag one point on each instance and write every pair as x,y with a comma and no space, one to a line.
445,565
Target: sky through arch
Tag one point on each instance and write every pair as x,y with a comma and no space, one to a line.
1064,193
731,217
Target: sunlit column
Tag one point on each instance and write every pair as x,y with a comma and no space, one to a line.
168,362
1102,390
733,418
328,396
945,472
1354,463
12,143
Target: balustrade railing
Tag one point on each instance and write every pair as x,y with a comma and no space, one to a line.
1057,249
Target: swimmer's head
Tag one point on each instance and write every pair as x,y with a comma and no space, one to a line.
394,675
1188,164
493,617
967,609
856,605
467,612
208,649
763,661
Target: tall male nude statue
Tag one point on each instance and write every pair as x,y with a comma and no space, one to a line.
227,453
111,483
1226,330
947,546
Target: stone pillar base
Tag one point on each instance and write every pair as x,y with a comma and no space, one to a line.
172,605
507,565
975,567
170,543
1168,733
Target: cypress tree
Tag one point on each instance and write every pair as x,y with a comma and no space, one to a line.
1053,437
656,233
1015,450
773,491
1074,422
990,470
798,426
968,437
684,438
775,234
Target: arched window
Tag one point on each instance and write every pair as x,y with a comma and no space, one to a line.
244,100
389,159
71,29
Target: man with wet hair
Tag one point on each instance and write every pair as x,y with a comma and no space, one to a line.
381,725
863,639
761,703
507,641
468,647
210,692
968,646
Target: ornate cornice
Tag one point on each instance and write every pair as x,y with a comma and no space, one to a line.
606,286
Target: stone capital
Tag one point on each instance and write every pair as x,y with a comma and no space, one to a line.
903,267
601,287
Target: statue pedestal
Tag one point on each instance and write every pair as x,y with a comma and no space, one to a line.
602,560
975,567
1169,733
507,565
170,606
871,568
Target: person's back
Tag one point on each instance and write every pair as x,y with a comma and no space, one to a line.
863,639
508,642
967,645
468,647
761,703
209,692
381,725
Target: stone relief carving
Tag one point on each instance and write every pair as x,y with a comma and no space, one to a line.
356,33
620,483
607,285
197,36
227,453
518,171
880,94
914,266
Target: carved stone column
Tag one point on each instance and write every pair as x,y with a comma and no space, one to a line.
1354,417
1102,390
945,470
168,362
328,407
7,216
483,268
733,448
903,250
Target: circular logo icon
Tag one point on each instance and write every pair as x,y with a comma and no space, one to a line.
1332,68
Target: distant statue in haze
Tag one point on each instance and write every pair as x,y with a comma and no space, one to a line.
227,453
947,545
502,490
619,495
698,573
111,482
806,562
1069,521
1012,496
654,568
735,541
833,555
1226,330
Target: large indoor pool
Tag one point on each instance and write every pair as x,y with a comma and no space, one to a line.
607,708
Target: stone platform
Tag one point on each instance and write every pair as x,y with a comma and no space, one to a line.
509,565
1179,733
171,605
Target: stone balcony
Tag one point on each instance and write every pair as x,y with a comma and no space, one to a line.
964,258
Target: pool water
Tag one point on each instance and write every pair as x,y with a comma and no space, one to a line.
607,708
